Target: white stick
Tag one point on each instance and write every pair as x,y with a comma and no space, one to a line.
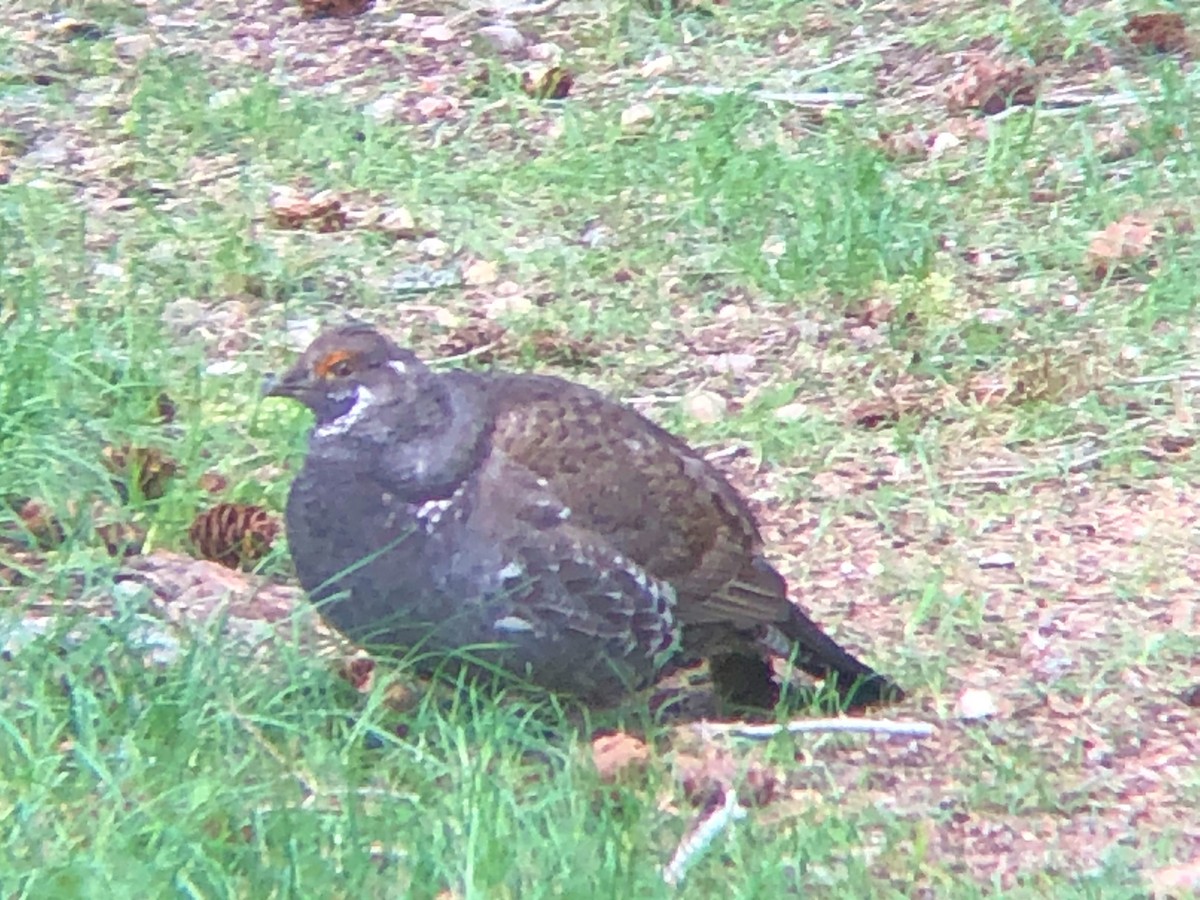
806,99
815,726
701,835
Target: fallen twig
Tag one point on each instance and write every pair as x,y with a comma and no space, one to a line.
709,730
697,839
1060,104
724,452
501,13
842,60
308,784
533,9
1161,379
1075,99
806,99
470,354
1051,468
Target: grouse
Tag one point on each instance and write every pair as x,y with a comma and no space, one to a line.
529,525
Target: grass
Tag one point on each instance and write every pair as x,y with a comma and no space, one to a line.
973,492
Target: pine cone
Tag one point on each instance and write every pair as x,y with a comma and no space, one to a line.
336,9
236,535
150,469
45,527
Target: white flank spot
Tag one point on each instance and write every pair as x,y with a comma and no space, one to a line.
432,508
512,623
398,367
512,570
343,423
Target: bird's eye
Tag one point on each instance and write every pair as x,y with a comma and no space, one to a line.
338,364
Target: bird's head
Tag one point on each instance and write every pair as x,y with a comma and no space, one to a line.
345,369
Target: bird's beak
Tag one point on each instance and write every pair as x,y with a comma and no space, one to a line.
292,384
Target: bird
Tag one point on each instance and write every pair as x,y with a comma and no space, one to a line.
529,526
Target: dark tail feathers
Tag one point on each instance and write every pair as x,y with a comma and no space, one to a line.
818,654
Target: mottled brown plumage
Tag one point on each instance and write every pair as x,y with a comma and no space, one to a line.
449,510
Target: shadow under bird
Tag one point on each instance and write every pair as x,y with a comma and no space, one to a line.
535,524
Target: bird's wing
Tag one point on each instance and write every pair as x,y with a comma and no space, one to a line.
576,579
650,496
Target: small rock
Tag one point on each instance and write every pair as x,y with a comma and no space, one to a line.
792,412
706,407
398,222
381,110
546,52
596,234
420,278
480,272
974,704
132,47
943,142
225,367
660,65
508,305
1000,560
225,98
503,38
301,332
991,315
735,363
110,270
636,117
1129,353
434,247
434,107
438,34
774,247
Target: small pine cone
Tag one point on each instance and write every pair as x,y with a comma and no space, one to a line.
43,525
337,9
11,577
165,408
236,535
50,529
148,468
121,539
358,670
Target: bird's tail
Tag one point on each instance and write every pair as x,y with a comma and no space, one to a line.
818,654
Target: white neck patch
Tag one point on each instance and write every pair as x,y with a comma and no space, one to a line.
363,400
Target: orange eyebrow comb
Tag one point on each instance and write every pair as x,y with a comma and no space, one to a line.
324,368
